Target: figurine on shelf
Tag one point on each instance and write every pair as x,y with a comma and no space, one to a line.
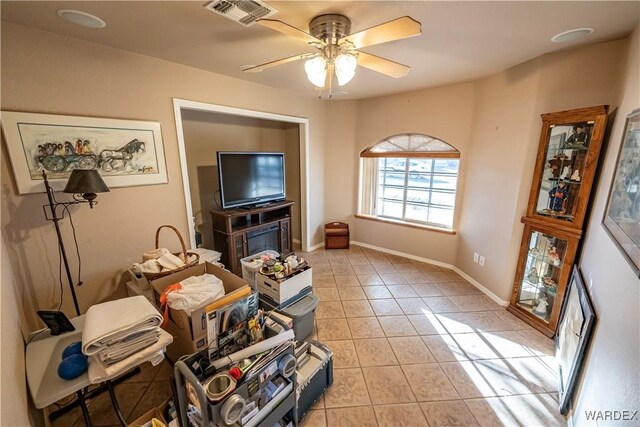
548,281
566,172
533,275
558,197
541,308
551,289
556,163
577,137
534,251
554,257
575,176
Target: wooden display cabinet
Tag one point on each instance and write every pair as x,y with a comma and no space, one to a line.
568,154
566,162
546,259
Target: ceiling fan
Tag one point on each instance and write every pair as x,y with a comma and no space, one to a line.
339,49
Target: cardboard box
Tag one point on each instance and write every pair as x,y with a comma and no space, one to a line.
190,331
145,419
285,290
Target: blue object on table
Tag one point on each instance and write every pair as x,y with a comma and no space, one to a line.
74,348
72,366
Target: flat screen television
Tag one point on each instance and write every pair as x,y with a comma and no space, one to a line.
250,178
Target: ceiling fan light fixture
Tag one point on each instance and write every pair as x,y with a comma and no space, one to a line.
316,69
345,65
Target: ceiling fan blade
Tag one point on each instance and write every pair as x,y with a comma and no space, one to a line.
261,67
381,65
288,30
397,29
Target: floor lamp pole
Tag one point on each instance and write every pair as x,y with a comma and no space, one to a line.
54,217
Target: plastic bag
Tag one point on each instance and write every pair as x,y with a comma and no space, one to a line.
194,291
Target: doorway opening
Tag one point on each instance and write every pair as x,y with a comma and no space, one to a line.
203,129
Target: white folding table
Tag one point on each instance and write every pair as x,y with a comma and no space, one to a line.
43,355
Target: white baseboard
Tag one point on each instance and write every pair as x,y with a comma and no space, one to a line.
402,254
470,279
480,286
318,246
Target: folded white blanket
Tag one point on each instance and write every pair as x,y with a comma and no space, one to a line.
123,349
112,322
155,354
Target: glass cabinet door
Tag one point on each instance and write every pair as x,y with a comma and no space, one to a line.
544,265
564,168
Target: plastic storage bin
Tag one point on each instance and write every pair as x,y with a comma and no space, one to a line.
303,313
314,374
191,388
250,268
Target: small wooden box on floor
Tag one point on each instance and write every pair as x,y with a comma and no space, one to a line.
336,235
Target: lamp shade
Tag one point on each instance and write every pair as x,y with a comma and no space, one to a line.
345,68
316,69
84,181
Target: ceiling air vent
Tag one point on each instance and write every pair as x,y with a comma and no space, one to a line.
246,12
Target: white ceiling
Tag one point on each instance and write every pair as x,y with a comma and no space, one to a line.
460,41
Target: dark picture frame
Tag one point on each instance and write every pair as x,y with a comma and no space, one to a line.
622,215
575,328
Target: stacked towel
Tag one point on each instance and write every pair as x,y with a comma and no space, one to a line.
153,354
207,255
116,330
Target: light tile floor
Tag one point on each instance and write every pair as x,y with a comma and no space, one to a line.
137,395
414,345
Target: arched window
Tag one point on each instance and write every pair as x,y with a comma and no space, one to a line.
410,178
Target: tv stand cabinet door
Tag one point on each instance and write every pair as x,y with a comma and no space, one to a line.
237,251
285,237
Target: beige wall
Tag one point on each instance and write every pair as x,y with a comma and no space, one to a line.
445,113
292,164
503,144
342,164
611,378
13,399
43,72
205,133
505,141
495,123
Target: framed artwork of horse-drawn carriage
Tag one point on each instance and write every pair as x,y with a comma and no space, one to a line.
125,152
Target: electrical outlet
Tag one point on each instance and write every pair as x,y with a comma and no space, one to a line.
475,257
481,261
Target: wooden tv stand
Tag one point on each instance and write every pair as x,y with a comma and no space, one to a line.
238,233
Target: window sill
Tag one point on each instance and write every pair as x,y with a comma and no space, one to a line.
405,224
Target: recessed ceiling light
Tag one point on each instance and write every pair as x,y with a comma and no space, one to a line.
83,19
571,35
